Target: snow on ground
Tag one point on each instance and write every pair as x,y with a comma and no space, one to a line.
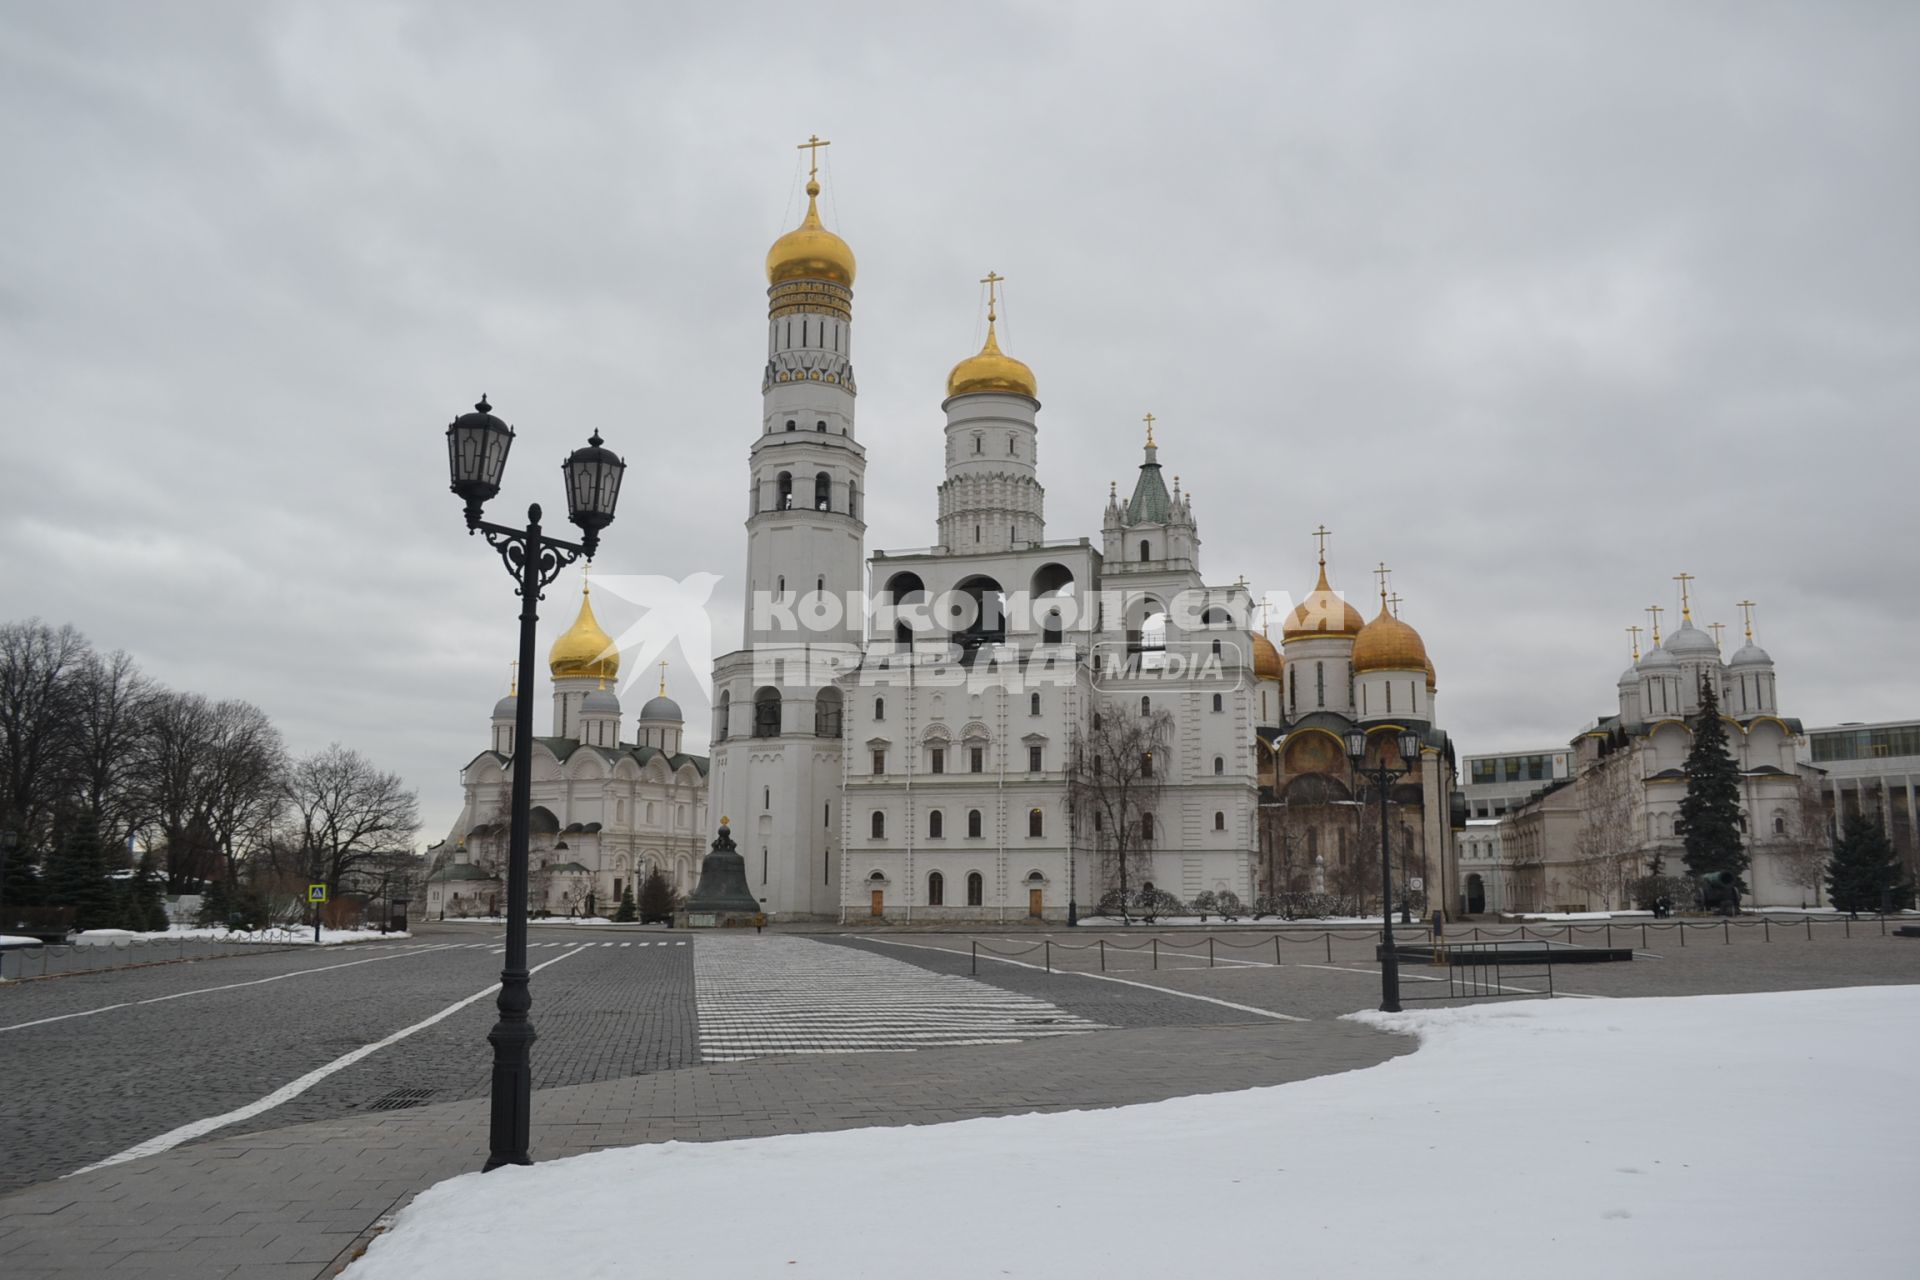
277,937
15,940
547,920
1699,1136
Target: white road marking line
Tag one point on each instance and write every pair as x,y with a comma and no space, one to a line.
1371,973
1105,977
201,991
286,1092
626,944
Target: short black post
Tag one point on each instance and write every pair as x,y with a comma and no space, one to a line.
1328,939
1726,932
976,957
1103,955
1277,961
1683,933
1156,955
1049,943
1766,929
1209,951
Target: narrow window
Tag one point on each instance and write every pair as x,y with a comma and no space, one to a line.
936,890
879,708
976,888
973,824
1216,648
1033,704
879,825
976,759
1389,697
1219,821
1098,825
822,492
1036,824
853,500
976,444
826,815
976,533
820,426
766,797
1146,827
1146,765
936,825
781,588
879,763
1143,550
1011,452
1146,705
1320,683
938,760
1219,766
763,864
1033,760
1218,703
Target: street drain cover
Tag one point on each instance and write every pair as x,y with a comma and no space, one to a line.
400,1099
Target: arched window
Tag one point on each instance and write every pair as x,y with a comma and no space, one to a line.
1146,827
1146,705
879,708
1219,820
976,889
973,824
1219,704
879,825
791,424
823,492
1219,766
853,500
1036,824
820,425
766,713
783,499
1033,704
936,890
827,714
1146,764
1216,648
1144,548
720,714
1779,824
936,825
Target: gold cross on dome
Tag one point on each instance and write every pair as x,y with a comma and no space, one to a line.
812,147
1654,611
1323,533
1746,614
992,280
663,677
1716,628
1393,601
1148,419
1381,573
513,679
1635,633
1686,605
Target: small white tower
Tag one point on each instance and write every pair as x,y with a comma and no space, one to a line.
1750,689
991,500
661,723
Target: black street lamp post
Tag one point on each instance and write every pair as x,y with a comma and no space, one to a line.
477,445
1380,777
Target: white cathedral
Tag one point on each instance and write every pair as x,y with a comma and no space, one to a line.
907,759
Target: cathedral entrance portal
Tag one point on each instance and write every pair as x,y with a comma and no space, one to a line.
1033,902
879,903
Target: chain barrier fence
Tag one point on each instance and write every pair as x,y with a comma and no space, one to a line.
1422,933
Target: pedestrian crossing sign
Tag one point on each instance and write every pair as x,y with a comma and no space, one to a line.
316,893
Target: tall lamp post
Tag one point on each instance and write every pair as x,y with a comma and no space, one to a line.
477,445
1380,777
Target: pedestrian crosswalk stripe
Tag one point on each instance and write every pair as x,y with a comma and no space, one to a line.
761,996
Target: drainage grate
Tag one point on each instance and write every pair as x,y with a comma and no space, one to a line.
400,1099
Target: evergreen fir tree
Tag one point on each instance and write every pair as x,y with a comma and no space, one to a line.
22,887
1863,867
77,878
625,915
216,904
656,898
1710,811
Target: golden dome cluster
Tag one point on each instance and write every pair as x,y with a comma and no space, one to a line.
1267,664
585,650
810,251
1322,613
1388,644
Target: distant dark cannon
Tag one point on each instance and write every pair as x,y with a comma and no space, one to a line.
1718,891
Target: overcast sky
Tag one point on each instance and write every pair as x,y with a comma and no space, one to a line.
1540,303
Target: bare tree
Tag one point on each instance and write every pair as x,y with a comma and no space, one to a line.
1805,849
243,783
38,666
110,706
347,812
171,780
1114,786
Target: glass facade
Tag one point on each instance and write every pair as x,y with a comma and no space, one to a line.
1866,744
1538,767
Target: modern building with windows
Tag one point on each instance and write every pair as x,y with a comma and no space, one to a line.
1873,769
1495,783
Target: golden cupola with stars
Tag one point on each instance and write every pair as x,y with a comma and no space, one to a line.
992,370
585,651
810,251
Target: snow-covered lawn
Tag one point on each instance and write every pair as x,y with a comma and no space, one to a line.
278,937
1761,1135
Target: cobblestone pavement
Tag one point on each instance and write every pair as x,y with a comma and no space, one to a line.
760,996
155,1048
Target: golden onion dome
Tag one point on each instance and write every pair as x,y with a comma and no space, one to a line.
1267,664
585,650
1433,681
1388,644
992,370
1322,613
810,251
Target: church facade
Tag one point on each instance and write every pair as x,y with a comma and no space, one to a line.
935,750
606,810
